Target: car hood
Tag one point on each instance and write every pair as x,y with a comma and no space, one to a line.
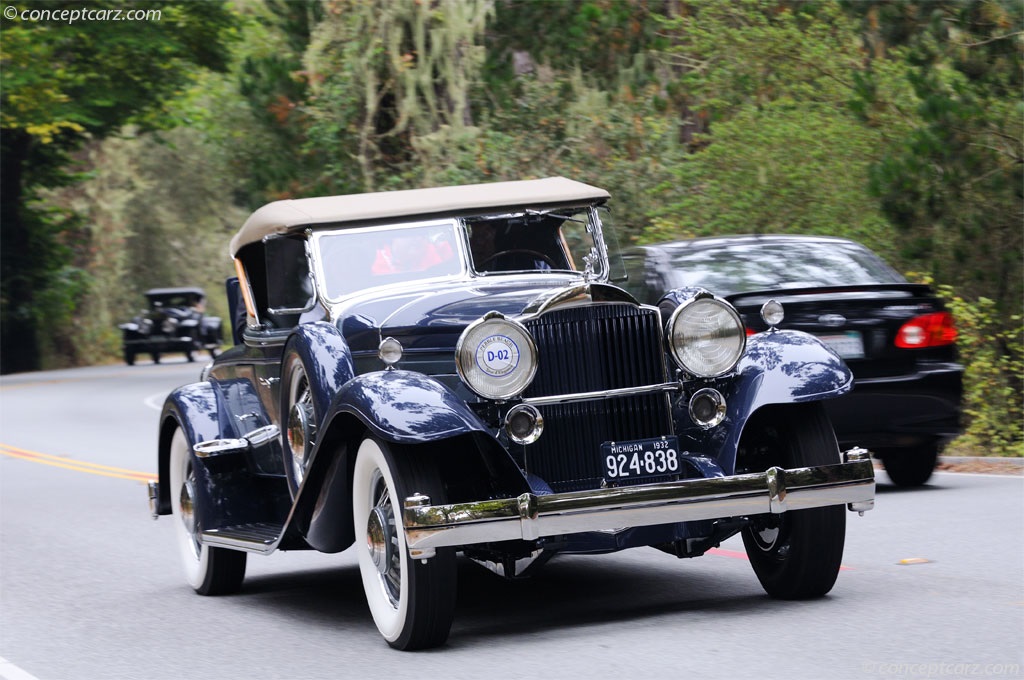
432,319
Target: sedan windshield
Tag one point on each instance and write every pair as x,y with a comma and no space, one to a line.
731,268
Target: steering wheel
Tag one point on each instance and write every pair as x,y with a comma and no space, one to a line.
519,251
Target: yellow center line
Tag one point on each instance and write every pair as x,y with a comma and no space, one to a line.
76,465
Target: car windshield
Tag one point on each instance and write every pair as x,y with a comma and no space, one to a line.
532,241
173,300
354,259
731,268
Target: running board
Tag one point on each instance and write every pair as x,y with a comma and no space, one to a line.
254,538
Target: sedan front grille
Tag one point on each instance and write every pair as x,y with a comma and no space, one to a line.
587,349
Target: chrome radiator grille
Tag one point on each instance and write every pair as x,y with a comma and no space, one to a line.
592,348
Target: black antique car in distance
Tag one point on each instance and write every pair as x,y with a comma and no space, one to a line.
439,372
897,337
174,321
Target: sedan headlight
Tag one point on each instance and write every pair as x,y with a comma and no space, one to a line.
706,336
496,357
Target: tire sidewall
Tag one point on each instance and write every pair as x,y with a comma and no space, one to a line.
196,566
372,457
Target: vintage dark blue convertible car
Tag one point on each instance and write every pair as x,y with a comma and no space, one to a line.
427,373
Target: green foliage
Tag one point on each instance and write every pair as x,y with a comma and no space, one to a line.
898,124
599,37
781,153
729,56
383,74
778,169
269,80
66,82
139,213
951,182
63,77
992,350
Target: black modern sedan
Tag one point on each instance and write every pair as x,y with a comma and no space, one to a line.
896,337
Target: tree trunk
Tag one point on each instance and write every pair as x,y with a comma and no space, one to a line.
19,350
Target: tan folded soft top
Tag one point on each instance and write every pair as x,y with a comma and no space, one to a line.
281,216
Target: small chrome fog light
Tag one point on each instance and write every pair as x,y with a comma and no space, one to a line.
524,424
707,408
772,313
390,352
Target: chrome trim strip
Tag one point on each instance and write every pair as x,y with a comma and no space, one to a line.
262,435
217,447
531,516
603,394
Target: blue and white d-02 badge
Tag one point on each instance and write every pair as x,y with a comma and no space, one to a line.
497,355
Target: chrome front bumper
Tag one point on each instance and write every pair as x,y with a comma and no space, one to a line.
529,516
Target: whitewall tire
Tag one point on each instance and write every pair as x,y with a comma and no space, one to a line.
412,601
210,571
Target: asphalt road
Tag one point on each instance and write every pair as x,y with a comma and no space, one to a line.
90,587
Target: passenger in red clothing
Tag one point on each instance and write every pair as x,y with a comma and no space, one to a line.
406,254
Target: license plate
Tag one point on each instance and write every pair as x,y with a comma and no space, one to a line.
640,459
848,345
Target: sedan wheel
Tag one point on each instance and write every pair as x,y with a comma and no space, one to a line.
210,571
412,601
910,467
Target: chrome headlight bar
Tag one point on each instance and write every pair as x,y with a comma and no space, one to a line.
496,357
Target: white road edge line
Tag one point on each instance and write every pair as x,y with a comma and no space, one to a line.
9,671
155,401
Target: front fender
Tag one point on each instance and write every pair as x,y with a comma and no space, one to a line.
782,367
779,367
404,407
400,407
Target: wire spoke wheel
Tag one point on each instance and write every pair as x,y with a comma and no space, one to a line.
299,414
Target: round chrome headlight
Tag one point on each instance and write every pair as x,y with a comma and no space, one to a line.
706,336
496,357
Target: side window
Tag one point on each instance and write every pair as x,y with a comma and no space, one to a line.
289,288
254,264
635,282
612,231
577,239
